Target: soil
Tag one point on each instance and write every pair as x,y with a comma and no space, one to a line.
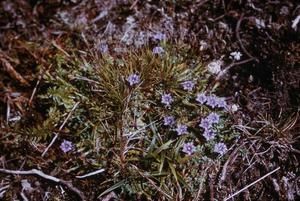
267,85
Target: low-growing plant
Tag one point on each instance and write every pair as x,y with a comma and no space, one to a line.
145,117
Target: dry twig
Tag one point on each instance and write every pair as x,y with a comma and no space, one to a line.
47,177
237,33
91,174
34,91
227,68
231,158
246,187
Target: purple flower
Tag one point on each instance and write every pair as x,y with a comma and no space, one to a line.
158,50
188,85
213,117
220,148
189,148
166,99
66,146
133,79
221,102
103,48
209,134
201,98
205,124
159,36
169,120
212,101
181,129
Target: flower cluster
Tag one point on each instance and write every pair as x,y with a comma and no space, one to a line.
207,124
211,100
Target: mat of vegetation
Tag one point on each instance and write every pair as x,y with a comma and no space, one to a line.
149,100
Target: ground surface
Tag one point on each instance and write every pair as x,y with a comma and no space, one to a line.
265,85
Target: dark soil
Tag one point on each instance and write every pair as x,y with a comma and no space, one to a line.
267,86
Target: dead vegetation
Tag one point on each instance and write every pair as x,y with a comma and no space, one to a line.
50,90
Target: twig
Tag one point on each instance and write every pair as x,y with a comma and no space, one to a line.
134,4
36,85
8,110
60,48
3,190
32,171
60,128
203,178
224,170
153,183
45,176
201,3
91,174
34,91
24,196
227,68
246,187
237,33
73,188
51,143
69,115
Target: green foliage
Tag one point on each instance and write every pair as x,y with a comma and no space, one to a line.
45,128
120,126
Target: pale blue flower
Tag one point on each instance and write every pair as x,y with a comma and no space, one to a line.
188,85
213,117
220,148
66,146
158,50
189,148
103,48
221,102
201,98
209,134
206,124
133,79
169,120
166,99
181,129
159,36
212,101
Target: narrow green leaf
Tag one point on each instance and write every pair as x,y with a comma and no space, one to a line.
163,147
173,171
115,186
